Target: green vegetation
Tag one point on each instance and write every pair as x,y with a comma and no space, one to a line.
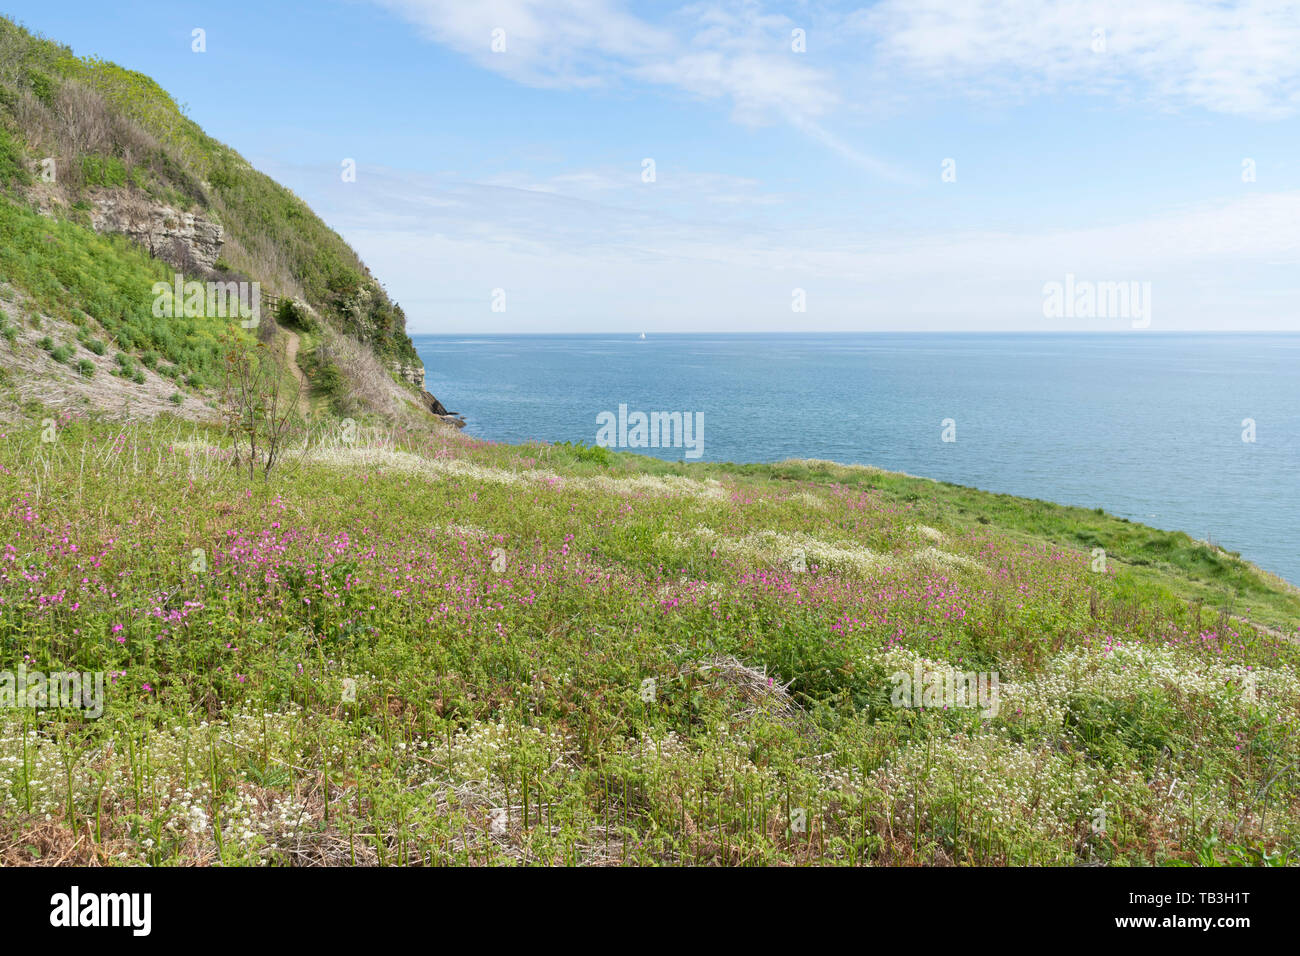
1154,567
116,129
68,271
581,451
91,344
405,647
11,162
392,645
103,171
293,316
328,381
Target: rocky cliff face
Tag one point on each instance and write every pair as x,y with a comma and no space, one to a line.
408,372
192,243
182,239
414,373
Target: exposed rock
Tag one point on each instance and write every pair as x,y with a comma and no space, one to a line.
435,406
413,373
182,239
193,243
438,409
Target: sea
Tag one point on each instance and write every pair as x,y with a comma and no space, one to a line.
1188,432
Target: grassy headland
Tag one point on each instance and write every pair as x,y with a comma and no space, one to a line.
410,647
403,646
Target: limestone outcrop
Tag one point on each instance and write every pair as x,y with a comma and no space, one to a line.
182,239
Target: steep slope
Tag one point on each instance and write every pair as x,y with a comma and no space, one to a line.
89,149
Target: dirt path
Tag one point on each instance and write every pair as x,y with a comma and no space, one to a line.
291,359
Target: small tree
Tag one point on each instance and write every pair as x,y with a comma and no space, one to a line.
259,410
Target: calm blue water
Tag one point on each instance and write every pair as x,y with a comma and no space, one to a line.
1147,426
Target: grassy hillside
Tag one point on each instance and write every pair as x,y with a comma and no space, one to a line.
69,273
403,646
409,647
106,132
1152,567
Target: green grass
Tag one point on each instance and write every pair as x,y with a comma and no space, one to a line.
272,235
67,271
12,171
406,647
103,171
1153,566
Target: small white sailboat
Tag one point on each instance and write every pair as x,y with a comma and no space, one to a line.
642,336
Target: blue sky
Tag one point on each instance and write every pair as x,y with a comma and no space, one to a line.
1104,140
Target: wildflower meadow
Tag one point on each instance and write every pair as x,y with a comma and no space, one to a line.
408,647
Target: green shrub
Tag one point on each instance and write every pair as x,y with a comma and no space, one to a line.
86,367
293,316
61,353
176,398
579,451
46,343
42,86
12,169
103,171
326,377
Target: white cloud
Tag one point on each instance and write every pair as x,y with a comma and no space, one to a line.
1240,58
562,43
593,246
1228,57
712,51
596,249
593,43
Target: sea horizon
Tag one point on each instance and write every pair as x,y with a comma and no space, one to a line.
1116,333
1118,422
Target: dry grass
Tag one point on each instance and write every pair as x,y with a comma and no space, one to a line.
51,843
370,386
761,692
